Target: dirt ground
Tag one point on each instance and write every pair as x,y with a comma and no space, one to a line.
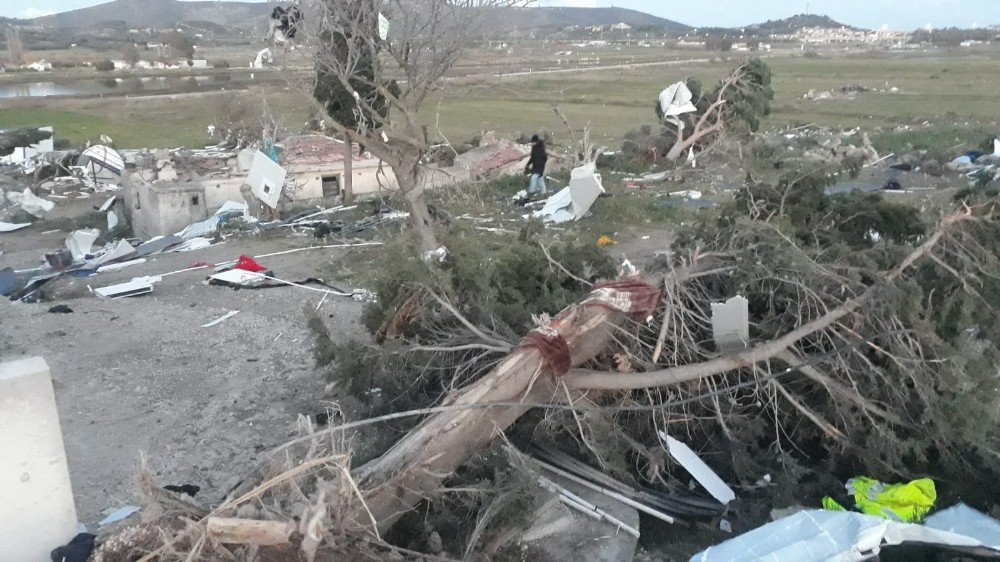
140,376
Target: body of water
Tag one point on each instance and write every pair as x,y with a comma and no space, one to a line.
137,85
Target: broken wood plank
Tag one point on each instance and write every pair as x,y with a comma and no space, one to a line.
249,531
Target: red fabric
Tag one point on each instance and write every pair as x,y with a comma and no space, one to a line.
553,347
630,295
246,263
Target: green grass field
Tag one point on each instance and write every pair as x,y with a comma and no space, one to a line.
954,93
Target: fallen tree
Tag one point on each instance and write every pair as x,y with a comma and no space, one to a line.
868,342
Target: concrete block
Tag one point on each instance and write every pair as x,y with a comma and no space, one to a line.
37,513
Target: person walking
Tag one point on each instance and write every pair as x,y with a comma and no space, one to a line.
536,166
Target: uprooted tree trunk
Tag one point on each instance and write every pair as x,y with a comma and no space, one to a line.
416,465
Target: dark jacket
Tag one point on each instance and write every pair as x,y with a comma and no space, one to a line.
536,165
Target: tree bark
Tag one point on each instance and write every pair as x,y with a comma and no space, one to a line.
348,194
426,456
408,176
249,531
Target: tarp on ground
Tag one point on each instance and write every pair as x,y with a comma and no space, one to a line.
840,536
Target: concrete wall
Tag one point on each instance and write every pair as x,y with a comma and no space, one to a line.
158,210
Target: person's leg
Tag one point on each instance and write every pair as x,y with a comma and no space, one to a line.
533,185
541,183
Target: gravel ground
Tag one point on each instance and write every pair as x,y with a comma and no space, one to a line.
140,376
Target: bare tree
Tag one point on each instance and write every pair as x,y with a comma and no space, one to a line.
15,48
389,56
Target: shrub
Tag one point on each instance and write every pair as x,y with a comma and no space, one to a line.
104,66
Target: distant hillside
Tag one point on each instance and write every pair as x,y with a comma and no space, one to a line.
791,25
161,14
545,17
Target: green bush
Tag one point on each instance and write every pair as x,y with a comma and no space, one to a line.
492,280
104,66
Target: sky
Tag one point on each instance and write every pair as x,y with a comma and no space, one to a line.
904,15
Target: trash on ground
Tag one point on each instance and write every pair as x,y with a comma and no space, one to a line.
827,535
908,502
698,469
731,324
11,227
605,242
220,320
81,242
119,514
438,255
573,202
661,505
78,549
188,489
120,265
30,203
61,309
133,288
237,278
963,520
228,211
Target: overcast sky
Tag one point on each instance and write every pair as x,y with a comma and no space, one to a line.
896,14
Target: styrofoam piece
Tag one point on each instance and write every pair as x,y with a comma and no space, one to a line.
698,469
731,324
266,179
37,513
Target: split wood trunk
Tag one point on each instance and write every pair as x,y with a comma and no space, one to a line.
430,453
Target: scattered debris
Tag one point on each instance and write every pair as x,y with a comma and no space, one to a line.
731,324
237,278
698,469
606,242
77,550
81,242
134,288
221,320
11,227
908,502
573,202
825,535
119,514
188,489
61,309
267,179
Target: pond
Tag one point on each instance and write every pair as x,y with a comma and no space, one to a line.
134,85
